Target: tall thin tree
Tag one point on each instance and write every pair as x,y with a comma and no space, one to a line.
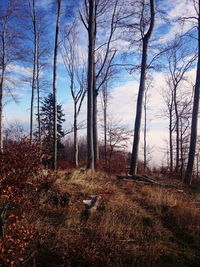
34,73
59,2
193,137
75,66
9,48
145,42
90,106
103,53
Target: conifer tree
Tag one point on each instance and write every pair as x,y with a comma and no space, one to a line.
47,123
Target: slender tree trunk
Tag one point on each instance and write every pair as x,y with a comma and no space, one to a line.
55,138
75,137
145,132
34,68
1,109
95,127
135,149
177,130
181,148
171,137
104,106
38,93
90,106
95,98
105,131
3,36
195,112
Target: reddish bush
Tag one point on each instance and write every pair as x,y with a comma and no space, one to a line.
19,162
116,162
63,165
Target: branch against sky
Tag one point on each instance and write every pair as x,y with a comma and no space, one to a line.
76,69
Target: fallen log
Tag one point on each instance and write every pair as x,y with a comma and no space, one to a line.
143,178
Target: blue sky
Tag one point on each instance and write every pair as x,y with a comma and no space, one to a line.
124,90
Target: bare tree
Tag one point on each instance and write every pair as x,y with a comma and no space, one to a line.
104,100
118,137
104,53
39,55
42,63
193,137
59,2
14,132
169,113
75,66
145,106
9,49
145,41
90,104
32,9
179,62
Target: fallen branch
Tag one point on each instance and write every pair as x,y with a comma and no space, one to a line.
138,178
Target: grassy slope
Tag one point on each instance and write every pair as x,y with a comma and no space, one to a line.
134,225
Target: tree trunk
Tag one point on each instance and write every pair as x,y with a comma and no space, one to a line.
3,36
134,157
54,86
34,68
90,106
145,132
95,127
170,135
181,148
105,131
177,130
193,136
95,98
38,93
1,109
75,137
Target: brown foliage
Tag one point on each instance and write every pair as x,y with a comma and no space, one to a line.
19,163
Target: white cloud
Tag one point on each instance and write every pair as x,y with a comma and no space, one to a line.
178,9
20,70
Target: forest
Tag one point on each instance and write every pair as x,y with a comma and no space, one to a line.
101,168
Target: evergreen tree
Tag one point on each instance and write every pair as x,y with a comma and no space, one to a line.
47,126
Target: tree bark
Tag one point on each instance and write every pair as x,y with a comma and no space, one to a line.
34,66
177,129
135,149
193,136
145,131
105,126
75,137
38,92
3,36
90,106
95,126
55,139
1,117
95,97
170,134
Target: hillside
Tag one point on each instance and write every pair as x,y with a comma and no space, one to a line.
131,224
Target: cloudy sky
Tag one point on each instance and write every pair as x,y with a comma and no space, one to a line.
123,92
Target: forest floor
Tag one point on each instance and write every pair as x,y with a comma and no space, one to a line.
133,223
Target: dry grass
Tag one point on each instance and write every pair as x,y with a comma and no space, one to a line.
134,225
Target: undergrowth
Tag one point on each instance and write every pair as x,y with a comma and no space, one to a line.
133,225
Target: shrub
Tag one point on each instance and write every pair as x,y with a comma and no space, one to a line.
19,162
